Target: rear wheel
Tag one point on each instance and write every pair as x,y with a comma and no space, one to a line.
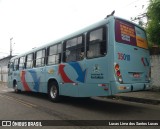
53,92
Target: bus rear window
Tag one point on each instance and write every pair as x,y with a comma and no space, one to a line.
130,34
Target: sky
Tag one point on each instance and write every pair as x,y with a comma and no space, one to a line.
33,23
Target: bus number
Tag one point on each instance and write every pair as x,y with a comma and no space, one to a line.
122,56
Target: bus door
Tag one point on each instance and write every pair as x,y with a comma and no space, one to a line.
131,54
10,74
97,63
72,69
33,76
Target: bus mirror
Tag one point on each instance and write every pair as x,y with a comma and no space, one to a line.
87,47
16,67
24,65
8,65
64,57
59,60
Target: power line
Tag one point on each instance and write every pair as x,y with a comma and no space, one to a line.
131,3
127,5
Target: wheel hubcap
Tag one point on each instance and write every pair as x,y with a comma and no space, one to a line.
53,92
15,88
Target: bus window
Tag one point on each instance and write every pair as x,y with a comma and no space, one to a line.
130,34
40,58
21,63
16,64
74,49
96,43
29,61
54,54
10,66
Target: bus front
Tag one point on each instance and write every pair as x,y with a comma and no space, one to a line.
131,58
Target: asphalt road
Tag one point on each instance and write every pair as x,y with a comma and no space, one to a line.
34,106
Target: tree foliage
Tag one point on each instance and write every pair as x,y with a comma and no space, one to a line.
153,27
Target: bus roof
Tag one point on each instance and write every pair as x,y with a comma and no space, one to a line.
84,30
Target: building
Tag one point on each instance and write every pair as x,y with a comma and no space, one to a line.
4,68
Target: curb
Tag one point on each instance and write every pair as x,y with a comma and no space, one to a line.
134,99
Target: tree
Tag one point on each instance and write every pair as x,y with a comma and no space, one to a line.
153,27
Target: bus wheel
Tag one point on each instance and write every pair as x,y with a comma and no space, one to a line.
53,92
16,90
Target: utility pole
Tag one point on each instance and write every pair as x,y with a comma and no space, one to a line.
11,47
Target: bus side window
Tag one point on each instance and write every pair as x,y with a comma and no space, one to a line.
16,67
54,54
40,58
29,61
96,43
21,63
74,49
10,65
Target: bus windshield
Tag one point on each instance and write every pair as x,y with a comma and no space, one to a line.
130,34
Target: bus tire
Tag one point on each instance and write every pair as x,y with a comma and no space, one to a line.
15,87
53,92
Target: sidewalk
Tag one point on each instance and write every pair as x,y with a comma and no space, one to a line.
149,97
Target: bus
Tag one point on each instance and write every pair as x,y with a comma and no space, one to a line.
103,59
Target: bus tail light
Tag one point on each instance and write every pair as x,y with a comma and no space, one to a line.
116,66
118,72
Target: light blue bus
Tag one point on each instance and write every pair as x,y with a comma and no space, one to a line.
104,59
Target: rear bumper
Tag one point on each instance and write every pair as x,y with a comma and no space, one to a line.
120,88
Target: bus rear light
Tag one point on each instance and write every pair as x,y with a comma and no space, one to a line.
118,72
120,79
116,67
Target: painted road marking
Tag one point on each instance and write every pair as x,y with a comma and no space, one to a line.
19,101
7,90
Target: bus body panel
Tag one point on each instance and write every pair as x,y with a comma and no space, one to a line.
132,56
120,88
93,76
133,67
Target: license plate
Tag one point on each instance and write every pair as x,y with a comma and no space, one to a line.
136,75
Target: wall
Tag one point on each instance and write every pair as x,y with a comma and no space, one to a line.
155,71
4,69
3,73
